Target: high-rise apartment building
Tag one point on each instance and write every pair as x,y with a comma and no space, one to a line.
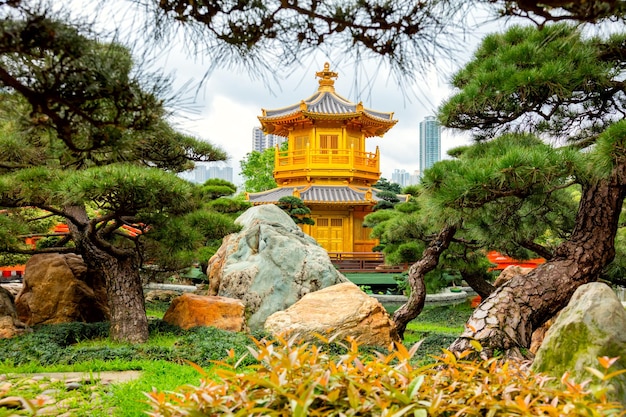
401,177
261,141
430,143
202,172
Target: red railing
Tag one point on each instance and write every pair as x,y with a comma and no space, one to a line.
363,262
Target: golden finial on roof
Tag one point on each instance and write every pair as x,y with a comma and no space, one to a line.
326,78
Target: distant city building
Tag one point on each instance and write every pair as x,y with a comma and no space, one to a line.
430,143
201,173
400,176
261,141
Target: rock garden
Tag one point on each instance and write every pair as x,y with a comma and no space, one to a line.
279,331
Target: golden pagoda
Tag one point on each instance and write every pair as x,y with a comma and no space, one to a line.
326,164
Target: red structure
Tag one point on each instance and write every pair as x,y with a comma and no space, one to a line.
12,272
502,261
8,273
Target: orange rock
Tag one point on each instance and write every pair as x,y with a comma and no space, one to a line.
192,310
509,272
476,301
216,266
539,334
339,311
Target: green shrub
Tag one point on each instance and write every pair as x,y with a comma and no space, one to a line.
203,345
47,344
448,315
303,380
229,205
58,344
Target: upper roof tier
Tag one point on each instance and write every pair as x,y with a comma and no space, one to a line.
325,104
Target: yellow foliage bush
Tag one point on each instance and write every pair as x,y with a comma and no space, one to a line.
294,379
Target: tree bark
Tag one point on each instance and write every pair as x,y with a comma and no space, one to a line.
430,259
505,320
129,322
478,284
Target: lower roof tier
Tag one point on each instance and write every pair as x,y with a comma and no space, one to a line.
319,194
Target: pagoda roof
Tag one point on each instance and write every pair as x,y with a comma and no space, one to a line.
319,194
326,104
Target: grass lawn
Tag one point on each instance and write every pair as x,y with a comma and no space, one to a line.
78,347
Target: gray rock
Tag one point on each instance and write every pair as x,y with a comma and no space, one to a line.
70,386
269,265
592,325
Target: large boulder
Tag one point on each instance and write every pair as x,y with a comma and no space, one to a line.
509,272
592,325
192,310
13,288
58,289
269,265
10,325
340,311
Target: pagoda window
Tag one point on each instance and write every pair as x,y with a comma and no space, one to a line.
329,142
354,142
300,142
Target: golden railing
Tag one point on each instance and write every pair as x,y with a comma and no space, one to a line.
327,159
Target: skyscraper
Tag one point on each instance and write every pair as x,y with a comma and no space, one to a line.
261,141
258,140
400,176
202,172
430,143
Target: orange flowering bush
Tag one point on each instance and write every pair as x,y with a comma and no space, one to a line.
293,379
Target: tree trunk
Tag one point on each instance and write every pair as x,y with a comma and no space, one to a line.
129,322
478,283
430,259
506,319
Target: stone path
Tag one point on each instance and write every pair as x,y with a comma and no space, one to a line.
105,377
45,392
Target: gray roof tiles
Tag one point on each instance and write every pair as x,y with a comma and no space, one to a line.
316,194
327,103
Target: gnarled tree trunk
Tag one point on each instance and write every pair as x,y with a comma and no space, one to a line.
120,270
506,319
430,258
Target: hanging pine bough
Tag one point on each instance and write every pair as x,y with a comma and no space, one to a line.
563,86
84,141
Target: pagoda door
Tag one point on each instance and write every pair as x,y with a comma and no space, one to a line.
329,232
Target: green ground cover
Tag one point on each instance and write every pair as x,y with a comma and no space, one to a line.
164,361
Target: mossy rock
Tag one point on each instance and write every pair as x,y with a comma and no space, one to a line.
593,325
